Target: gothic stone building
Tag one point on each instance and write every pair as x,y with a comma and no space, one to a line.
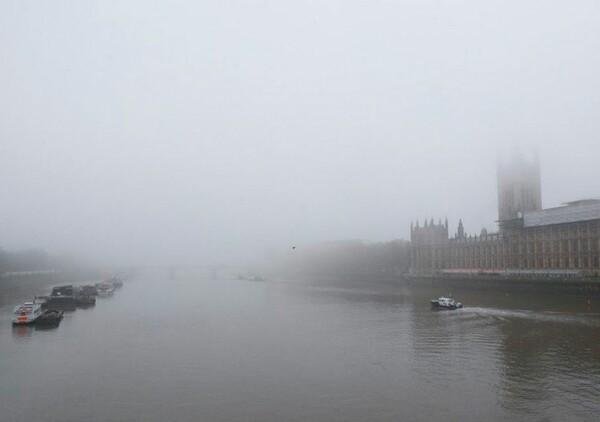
531,241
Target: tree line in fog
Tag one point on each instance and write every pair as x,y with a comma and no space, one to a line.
33,260
350,257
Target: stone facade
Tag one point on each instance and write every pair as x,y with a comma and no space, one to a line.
562,241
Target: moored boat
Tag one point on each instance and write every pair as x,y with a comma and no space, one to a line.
105,289
87,290
27,313
85,300
116,282
446,303
50,317
62,297
41,300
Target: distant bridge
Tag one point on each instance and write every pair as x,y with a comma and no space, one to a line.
174,272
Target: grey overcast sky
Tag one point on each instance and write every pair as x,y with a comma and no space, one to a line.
207,131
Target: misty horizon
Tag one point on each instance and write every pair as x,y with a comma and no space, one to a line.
198,133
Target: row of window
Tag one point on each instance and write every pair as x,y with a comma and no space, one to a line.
589,229
582,229
526,263
555,247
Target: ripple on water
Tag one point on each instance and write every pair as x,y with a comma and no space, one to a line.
267,351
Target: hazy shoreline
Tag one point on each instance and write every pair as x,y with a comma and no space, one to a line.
575,287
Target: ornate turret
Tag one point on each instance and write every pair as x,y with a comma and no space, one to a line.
430,235
461,229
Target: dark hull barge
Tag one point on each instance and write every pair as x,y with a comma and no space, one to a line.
50,317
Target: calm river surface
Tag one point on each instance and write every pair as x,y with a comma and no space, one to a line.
229,350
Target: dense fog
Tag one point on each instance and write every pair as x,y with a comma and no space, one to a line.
227,132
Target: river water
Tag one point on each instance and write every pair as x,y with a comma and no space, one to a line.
229,350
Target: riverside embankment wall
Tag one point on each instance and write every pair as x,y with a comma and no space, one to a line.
586,286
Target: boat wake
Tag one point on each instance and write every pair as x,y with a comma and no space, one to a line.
591,320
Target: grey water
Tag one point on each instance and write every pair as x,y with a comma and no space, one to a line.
197,349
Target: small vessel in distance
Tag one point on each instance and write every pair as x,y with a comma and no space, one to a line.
85,295
116,282
81,300
86,290
446,303
27,313
105,289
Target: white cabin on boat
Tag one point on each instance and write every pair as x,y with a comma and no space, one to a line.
26,313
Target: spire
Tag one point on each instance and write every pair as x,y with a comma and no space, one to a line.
431,224
425,225
446,224
461,229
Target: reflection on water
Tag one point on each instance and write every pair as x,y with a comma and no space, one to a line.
232,350
22,330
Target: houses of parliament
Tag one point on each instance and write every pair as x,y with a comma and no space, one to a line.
530,241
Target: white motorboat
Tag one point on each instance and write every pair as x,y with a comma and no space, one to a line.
26,313
446,303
